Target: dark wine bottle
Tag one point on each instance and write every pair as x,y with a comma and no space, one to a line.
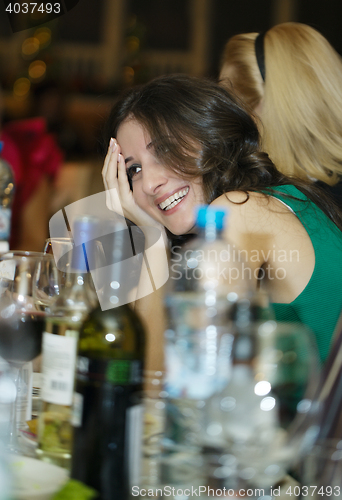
107,411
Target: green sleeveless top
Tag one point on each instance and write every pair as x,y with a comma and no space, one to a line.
320,303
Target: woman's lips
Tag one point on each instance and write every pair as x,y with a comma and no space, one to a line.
173,200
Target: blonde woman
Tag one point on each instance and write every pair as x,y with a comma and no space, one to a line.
292,79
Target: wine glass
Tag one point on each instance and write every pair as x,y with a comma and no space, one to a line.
256,422
61,249
22,314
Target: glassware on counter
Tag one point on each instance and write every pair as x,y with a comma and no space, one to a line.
153,428
205,281
60,249
107,409
22,318
256,422
76,298
321,471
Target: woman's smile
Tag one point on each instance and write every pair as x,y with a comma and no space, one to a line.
173,200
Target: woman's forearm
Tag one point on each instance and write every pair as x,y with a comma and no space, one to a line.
149,301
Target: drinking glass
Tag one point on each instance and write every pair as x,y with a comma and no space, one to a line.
22,314
61,249
153,430
255,425
321,470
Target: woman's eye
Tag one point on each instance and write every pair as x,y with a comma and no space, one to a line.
133,170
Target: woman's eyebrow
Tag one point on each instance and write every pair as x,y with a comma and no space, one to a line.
148,146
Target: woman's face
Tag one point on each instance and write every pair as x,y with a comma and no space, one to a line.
158,190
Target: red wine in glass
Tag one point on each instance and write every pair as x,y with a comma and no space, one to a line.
21,340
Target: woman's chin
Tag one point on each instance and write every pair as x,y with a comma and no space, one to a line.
181,230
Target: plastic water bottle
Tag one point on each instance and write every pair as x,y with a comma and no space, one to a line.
206,281
6,200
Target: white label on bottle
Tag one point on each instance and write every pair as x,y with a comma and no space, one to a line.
7,269
59,360
77,410
5,223
24,396
134,433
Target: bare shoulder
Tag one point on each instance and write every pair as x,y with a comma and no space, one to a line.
254,212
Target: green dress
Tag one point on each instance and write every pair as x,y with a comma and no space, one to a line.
319,305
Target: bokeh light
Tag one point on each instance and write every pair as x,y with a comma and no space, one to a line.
128,75
132,43
37,70
30,47
262,388
21,87
43,35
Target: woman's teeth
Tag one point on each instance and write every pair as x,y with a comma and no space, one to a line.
174,199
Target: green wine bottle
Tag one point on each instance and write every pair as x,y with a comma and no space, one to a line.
107,411
59,351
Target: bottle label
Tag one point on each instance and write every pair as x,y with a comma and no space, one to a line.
115,371
77,410
24,396
58,367
7,269
5,223
134,434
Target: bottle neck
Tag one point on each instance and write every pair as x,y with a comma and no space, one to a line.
79,278
210,232
79,291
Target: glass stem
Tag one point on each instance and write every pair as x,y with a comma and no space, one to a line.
13,444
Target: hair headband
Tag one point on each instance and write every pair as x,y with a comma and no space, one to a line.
260,53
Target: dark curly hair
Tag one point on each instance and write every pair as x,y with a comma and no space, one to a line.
199,128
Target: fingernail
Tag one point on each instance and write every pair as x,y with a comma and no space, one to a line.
119,157
112,143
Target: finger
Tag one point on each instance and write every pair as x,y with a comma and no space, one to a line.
122,175
109,170
109,180
106,160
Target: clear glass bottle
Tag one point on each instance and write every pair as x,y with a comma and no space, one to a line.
6,200
107,412
7,396
59,350
321,463
206,281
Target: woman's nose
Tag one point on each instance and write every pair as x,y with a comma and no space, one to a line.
154,177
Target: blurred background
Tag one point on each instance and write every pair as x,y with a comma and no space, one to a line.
69,70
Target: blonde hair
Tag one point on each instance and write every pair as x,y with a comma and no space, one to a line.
301,98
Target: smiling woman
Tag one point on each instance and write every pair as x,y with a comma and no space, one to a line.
183,141
158,190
